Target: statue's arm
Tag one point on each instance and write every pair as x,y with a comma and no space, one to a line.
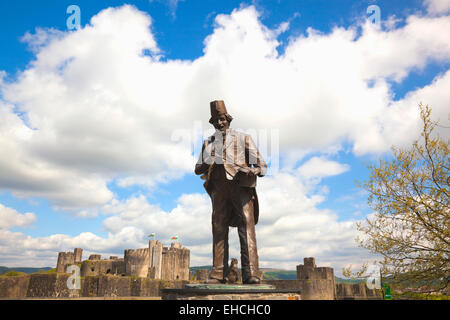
255,158
201,166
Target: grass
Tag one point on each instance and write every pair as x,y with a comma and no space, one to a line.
13,273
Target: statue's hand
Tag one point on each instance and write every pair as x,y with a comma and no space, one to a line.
254,171
245,170
250,171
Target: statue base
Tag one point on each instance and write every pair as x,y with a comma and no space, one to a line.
230,292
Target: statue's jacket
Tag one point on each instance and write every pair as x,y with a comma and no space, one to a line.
236,153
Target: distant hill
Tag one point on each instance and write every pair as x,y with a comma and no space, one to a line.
4,270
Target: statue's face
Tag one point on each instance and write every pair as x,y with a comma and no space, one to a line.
221,123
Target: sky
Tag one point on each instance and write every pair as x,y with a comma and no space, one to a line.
101,124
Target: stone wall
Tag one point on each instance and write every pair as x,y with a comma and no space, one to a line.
317,283
137,262
55,286
14,287
357,291
175,263
64,259
102,267
51,286
68,258
202,274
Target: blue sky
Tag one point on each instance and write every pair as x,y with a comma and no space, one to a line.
88,118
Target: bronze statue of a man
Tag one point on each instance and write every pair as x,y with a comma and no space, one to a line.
230,163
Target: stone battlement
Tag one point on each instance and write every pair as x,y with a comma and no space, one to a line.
317,282
68,258
136,262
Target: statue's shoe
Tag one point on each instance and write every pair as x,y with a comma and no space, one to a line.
252,280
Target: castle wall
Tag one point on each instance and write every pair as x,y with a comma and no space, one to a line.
109,286
102,267
50,285
64,259
55,286
14,287
175,263
356,291
68,258
137,262
317,282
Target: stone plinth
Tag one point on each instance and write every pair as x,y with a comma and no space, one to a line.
229,292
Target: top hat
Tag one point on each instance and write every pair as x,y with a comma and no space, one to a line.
217,109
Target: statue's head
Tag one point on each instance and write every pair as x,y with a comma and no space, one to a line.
220,118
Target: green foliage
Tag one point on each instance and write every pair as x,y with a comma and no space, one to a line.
280,275
410,197
13,273
51,271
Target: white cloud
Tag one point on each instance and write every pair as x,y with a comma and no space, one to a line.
11,218
320,167
437,6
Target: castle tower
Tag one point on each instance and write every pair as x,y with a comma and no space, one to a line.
155,250
175,262
136,262
78,252
64,259
317,282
